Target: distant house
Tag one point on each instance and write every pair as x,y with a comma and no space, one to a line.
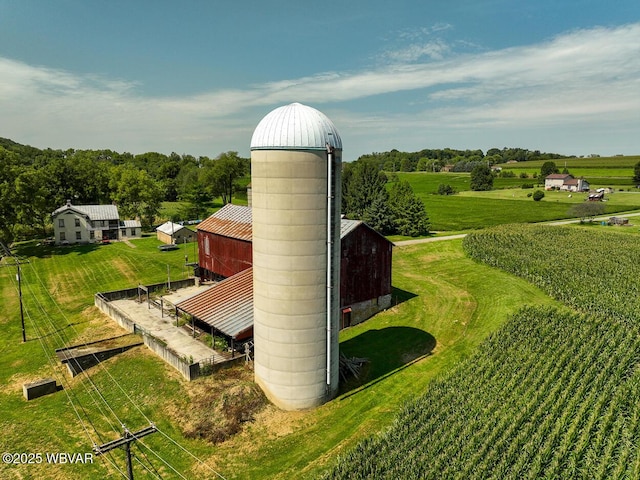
170,232
91,223
566,182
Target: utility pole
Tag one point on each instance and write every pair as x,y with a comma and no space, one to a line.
19,275
17,263
125,441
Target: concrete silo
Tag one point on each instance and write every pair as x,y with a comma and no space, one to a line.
296,155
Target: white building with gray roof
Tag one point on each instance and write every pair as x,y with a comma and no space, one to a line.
91,224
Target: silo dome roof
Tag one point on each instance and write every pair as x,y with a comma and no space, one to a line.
295,126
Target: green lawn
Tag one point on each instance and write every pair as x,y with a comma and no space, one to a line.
473,210
446,305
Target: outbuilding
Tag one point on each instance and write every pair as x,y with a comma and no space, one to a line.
174,233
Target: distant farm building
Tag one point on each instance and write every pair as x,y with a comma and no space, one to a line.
170,232
225,250
566,182
91,224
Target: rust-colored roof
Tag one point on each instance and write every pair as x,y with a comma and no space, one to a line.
232,221
227,306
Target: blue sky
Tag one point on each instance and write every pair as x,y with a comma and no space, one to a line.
196,77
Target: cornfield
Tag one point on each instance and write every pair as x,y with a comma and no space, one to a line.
554,394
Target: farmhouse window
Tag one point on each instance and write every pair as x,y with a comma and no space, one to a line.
133,232
77,222
92,234
63,237
61,222
78,236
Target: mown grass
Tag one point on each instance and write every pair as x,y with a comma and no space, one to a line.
469,210
446,306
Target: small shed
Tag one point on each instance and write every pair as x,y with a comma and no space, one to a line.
170,232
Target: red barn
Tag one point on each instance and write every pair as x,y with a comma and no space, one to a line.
365,272
224,242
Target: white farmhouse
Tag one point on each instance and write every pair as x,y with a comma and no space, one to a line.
91,223
565,181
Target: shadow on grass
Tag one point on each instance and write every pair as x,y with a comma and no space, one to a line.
399,296
38,250
388,350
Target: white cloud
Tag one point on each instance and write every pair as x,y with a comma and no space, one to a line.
585,76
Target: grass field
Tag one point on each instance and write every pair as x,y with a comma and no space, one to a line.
446,305
473,210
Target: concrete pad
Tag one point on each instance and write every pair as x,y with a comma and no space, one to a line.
176,338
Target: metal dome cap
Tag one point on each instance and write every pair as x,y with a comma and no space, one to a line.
295,126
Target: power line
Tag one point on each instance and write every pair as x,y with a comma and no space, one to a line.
68,392
115,382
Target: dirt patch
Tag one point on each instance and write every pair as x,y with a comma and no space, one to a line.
218,407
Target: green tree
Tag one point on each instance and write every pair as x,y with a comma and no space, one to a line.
136,193
538,195
379,216
547,169
33,208
586,210
409,214
481,178
9,161
362,183
636,173
222,174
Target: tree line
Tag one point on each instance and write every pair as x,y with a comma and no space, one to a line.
35,182
434,160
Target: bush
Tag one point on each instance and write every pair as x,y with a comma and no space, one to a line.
527,185
446,189
538,195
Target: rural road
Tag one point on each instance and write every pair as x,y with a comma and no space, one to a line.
404,243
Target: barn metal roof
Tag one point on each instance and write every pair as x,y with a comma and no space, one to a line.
295,126
347,226
227,306
232,221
